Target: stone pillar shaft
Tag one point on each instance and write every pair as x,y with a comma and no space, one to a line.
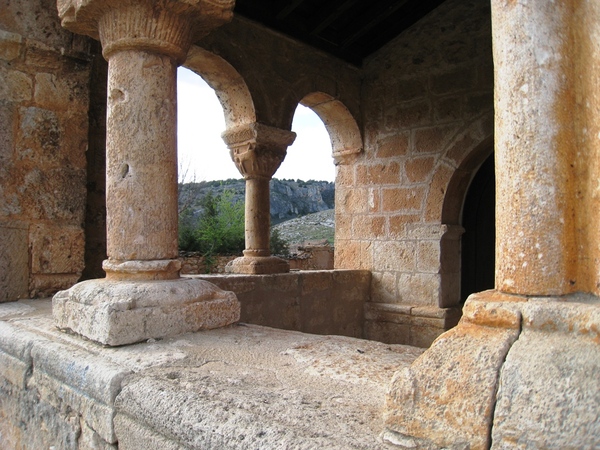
257,217
536,167
141,157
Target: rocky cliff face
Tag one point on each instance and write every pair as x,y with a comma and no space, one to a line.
289,198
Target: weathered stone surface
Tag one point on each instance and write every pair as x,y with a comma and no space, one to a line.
14,261
444,401
418,325
258,265
16,86
549,391
56,249
124,312
234,387
10,45
320,302
257,409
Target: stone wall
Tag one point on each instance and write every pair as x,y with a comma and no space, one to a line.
237,387
319,302
312,257
428,105
44,76
194,263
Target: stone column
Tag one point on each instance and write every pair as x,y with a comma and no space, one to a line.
258,151
142,295
519,369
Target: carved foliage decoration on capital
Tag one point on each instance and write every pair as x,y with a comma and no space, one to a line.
163,26
258,150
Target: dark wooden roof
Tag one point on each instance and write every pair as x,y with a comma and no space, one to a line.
348,29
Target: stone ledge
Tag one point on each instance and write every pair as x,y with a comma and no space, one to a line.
234,387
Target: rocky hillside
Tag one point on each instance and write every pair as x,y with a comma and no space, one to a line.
311,227
289,199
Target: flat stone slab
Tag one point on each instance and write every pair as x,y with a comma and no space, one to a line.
242,386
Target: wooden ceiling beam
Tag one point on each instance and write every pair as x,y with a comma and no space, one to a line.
380,17
333,16
288,9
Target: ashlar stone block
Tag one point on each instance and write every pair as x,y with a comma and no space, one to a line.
10,45
14,262
443,401
549,394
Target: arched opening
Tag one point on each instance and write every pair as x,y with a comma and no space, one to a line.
453,212
303,194
309,157
478,240
202,154
210,218
326,134
342,127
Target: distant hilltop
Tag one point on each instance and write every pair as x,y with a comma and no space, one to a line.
289,198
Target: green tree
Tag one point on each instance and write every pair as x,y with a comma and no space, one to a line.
219,230
279,246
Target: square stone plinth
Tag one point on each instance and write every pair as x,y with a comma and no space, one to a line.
124,312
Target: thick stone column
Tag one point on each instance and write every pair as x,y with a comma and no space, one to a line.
142,295
520,369
258,151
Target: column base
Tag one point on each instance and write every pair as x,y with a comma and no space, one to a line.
118,312
258,265
516,371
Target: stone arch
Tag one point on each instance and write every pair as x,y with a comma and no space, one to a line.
346,138
458,166
230,87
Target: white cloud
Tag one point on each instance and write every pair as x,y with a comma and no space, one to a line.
204,156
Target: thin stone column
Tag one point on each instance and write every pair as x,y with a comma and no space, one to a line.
258,151
519,369
142,295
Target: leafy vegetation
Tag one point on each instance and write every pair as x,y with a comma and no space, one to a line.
219,230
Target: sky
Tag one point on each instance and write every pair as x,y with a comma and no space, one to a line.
203,156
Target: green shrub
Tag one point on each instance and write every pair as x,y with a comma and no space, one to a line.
218,231
279,246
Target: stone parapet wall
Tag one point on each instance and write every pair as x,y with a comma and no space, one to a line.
44,77
194,263
319,302
312,257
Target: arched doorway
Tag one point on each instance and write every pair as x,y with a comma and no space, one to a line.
478,240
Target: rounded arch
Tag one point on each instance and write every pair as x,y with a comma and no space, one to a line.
230,87
343,130
452,206
469,158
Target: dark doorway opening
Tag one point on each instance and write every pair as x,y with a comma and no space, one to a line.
479,239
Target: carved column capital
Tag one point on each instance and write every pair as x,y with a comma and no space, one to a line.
258,150
167,27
